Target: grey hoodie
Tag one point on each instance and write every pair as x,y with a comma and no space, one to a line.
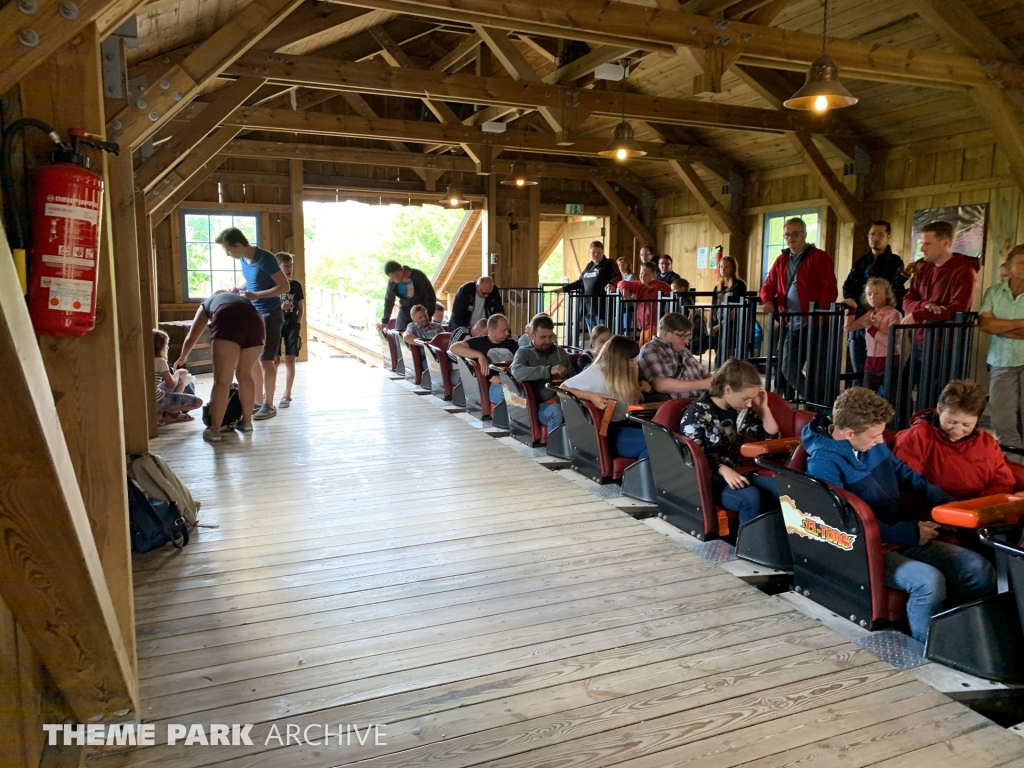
532,366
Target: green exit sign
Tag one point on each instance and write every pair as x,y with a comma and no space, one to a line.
573,209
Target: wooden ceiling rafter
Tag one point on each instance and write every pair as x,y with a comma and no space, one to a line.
373,77
180,83
1002,108
618,23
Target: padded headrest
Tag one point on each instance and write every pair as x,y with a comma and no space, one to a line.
441,341
783,413
1018,475
798,461
671,412
391,324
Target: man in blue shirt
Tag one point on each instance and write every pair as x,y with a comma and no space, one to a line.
265,282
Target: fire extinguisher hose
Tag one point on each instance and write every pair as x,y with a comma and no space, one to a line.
15,205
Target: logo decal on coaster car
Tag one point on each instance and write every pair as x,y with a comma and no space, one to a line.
812,527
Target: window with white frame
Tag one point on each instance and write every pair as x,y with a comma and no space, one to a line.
205,265
773,242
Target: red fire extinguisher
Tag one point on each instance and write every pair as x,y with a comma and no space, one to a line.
63,269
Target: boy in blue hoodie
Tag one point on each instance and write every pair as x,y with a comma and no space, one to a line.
846,448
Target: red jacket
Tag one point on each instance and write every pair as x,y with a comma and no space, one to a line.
646,296
950,286
815,281
969,468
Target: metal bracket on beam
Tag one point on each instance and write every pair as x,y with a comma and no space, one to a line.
860,167
112,58
734,188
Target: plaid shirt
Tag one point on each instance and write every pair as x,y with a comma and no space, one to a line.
424,332
658,359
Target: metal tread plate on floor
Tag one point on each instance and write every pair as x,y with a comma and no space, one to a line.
714,552
609,491
896,648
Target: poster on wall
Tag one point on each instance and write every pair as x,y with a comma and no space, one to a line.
702,258
969,222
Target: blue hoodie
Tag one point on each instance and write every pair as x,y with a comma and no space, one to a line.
877,477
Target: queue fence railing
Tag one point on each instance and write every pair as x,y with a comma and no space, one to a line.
922,358
804,354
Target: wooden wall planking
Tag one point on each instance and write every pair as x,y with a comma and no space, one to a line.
21,695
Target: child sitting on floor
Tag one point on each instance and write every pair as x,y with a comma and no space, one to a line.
171,398
947,448
720,421
847,448
876,322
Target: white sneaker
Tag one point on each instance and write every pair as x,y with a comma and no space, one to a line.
244,426
212,437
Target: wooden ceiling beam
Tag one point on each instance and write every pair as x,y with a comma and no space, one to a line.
968,34
368,156
139,120
307,22
838,196
358,103
323,124
49,29
586,65
461,55
725,222
620,23
182,174
374,77
152,169
397,58
561,122
631,221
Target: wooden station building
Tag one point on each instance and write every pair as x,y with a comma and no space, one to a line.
228,107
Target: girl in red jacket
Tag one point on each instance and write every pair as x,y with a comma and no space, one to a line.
950,452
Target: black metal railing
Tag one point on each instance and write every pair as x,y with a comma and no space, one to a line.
803,354
922,358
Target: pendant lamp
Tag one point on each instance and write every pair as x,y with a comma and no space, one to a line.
453,197
623,146
822,90
517,177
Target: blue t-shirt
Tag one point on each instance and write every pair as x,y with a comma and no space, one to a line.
259,276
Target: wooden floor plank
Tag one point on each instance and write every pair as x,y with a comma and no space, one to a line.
488,610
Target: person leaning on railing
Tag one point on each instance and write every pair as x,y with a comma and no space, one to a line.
1002,316
597,275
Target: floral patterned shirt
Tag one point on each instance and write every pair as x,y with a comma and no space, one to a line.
720,432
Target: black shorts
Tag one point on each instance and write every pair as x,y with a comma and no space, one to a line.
291,335
273,321
240,323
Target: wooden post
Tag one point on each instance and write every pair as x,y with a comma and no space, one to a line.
298,240
134,329
51,577
534,226
491,225
85,373
148,299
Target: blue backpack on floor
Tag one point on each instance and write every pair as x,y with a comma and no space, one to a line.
153,522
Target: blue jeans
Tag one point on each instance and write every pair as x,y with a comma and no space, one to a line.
630,443
760,496
495,394
551,415
937,575
858,354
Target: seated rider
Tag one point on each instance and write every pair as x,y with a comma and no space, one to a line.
613,377
946,446
847,448
540,362
719,422
493,347
421,327
599,336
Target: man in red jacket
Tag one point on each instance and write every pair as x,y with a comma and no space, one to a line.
802,274
943,285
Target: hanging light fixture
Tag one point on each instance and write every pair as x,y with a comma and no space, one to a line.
822,90
623,146
453,197
517,177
